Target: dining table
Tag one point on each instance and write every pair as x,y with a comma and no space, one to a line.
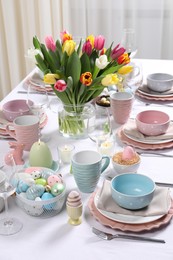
53,237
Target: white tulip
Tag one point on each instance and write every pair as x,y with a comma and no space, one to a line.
102,61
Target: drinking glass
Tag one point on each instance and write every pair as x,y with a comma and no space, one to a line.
9,225
128,41
38,101
100,130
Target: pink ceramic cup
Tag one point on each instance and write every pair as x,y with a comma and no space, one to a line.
26,130
121,106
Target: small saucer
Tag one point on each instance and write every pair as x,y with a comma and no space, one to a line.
54,167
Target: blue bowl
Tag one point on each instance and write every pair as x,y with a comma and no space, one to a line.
132,191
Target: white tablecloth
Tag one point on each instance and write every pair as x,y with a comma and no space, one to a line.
53,238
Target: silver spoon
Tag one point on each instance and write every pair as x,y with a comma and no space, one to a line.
108,236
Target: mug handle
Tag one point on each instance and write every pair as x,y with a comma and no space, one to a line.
106,163
10,132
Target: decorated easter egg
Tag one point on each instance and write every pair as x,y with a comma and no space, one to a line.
34,210
35,191
45,174
48,196
57,189
53,179
21,186
41,181
74,199
35,174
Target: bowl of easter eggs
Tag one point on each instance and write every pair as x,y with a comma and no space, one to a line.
40,192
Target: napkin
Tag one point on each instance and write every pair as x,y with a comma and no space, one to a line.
130,130
159,205
145,89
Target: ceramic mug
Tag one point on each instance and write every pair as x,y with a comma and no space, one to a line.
87,167
121,106
26,130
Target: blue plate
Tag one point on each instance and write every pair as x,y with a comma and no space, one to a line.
54,166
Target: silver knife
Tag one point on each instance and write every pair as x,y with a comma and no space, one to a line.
35,92
154,153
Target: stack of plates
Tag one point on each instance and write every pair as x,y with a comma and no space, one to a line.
143,143
36,81
127,222
145,92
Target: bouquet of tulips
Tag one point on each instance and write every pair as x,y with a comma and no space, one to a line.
78,73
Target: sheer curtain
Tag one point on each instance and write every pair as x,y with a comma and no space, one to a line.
20,20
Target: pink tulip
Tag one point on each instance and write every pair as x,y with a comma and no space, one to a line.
99,42
50,44
60,85
117,51
87,47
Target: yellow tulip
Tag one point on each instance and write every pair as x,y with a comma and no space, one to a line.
125,70
50,78
110,79
69,47
91,39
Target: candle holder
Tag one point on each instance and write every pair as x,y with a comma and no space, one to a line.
105,147
65,153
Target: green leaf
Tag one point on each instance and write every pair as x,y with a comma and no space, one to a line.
108,51
59,48
85,63
36,43
112,69
73,68
93,57
41,64
48,59
55,58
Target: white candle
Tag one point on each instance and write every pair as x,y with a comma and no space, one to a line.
65,153
106,148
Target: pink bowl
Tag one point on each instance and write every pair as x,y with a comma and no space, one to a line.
152,122
14,108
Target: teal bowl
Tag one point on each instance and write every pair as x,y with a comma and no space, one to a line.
132,191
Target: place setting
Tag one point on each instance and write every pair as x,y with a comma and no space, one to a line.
150,129
158,87
119,212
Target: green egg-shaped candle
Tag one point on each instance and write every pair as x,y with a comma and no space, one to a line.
40,155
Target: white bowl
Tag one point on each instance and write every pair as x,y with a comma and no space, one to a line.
160,82
124,168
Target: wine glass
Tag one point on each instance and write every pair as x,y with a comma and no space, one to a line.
38,101
128,41
9,225
100,130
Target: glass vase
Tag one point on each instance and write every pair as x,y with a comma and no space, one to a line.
73,120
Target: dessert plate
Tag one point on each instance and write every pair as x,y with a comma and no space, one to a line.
36,80
128,219
146,141
126,226
144,146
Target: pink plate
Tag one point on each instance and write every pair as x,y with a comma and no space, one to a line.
128,227
143,146
142,95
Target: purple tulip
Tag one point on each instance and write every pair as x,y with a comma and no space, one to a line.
87,47
117,51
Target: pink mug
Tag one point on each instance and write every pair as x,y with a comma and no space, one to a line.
26,130
121,106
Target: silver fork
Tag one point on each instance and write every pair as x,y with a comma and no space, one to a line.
108,236
154,153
